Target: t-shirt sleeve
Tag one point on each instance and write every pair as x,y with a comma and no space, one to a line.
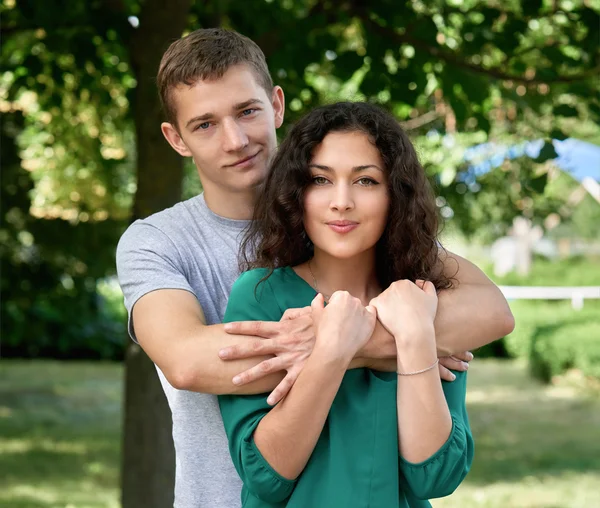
147,260
242,413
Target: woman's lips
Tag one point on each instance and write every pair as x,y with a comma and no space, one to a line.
342,226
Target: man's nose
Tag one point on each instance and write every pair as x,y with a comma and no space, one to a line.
234,138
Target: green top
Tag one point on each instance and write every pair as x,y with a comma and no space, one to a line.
356,463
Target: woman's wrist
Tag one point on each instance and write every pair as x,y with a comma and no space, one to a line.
416,352
416,337
332,353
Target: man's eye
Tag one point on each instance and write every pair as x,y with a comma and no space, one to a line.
202,126
247,112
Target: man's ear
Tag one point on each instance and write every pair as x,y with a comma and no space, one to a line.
175,140
278,102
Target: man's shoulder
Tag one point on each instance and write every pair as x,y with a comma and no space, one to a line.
169,223
175,217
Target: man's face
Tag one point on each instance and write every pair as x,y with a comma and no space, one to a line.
227,126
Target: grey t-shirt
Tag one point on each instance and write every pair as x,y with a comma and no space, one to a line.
191,248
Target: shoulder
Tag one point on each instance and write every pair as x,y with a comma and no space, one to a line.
159,231
259,281
253,297
260,285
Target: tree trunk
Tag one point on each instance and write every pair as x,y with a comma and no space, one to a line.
148,461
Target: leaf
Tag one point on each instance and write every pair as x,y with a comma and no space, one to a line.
566,111
346,64
558,134
531,7
546,153
538,184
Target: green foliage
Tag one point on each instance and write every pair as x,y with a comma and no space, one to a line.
544,327
555,349
573,271
50,304
518,69
553,337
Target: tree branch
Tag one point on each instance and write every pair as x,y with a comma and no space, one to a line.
420,121
451,58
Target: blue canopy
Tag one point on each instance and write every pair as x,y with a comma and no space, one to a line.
579,158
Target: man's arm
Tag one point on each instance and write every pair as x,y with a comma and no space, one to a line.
472,314
171,328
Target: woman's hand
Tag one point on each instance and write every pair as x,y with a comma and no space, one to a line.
407,309
344,326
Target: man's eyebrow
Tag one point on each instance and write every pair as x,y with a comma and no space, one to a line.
245,104
208,116
355,169
202,118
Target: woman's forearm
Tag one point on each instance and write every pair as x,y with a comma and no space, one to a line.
424,421
287,436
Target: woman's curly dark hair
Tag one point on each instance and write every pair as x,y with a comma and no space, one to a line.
408,248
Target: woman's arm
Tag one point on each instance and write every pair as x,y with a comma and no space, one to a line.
435,444
439,474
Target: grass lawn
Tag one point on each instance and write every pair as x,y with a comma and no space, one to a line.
536,446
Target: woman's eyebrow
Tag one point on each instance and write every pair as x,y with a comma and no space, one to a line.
355,169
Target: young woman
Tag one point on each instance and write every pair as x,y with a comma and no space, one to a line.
347,219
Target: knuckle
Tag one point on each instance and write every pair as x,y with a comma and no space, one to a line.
266,366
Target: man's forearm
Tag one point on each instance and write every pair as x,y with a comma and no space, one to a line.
193,364
471,316
467,318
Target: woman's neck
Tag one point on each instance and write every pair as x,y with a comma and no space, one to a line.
357,275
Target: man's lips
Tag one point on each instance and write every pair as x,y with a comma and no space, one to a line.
342,226
243,161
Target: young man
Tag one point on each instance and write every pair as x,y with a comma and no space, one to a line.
176,268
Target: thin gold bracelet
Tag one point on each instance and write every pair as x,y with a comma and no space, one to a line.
419,371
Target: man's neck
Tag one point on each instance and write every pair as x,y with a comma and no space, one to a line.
231,205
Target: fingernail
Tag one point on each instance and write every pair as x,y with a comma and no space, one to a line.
237,380
465,365
470,356
227,327
270,401
453,376
223,353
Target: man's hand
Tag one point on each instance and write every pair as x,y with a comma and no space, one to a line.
290,342
459,361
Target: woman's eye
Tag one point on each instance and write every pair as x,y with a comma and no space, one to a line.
366,182
319,180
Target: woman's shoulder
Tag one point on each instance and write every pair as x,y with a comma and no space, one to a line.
259,280
257,275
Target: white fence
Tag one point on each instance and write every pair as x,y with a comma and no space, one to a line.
576,294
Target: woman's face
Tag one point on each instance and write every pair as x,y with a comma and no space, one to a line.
346,205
